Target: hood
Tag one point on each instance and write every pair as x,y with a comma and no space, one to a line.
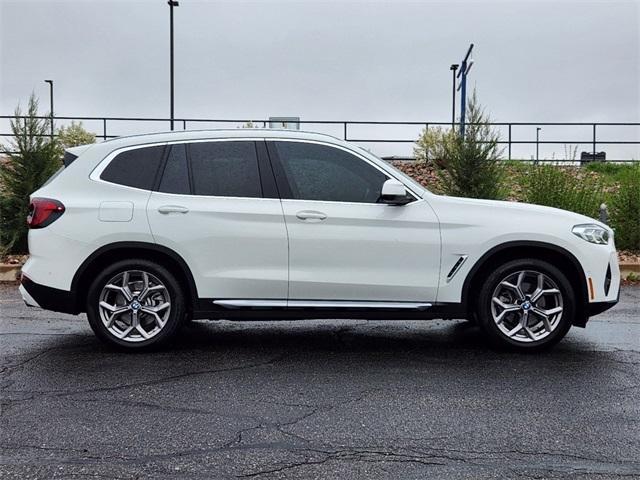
519,209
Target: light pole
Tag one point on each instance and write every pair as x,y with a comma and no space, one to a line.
50,82
171,3
538,144
453,69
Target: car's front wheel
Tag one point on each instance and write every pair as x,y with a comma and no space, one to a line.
526,304
135,304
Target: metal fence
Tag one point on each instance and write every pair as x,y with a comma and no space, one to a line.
598,134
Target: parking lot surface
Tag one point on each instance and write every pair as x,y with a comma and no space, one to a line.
317,399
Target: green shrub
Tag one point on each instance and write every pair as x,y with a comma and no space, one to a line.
472,163
624,208
74,135
431,145
33,159
554,186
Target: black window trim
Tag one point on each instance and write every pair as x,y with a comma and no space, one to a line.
285,188
163,167
267,175
160,172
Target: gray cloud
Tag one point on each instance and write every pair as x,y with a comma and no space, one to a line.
534,61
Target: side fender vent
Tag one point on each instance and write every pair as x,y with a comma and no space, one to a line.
456,267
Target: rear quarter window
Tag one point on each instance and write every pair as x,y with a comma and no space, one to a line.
135,168
68,158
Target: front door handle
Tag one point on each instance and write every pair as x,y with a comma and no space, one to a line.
311,215
172,209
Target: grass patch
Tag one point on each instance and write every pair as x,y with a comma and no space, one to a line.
611,173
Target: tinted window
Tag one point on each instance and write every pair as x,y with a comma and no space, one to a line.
175,178
225,169
134,168
319,172
68,158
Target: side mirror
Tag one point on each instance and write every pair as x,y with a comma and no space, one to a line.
394,193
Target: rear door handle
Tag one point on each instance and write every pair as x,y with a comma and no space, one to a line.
311,215
172,209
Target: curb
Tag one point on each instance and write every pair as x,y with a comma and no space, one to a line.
627,268
9,272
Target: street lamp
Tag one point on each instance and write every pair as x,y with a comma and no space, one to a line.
538,144
453,69
50,82
171,3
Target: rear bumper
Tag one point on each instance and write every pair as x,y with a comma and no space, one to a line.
49,298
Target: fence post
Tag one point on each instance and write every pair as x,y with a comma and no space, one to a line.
509,141
604,214
426,132
345,131
104,129
184,124
594,142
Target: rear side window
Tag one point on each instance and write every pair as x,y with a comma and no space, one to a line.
134,168
175,178
225,169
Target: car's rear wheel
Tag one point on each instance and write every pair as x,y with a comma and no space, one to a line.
526,304
135,304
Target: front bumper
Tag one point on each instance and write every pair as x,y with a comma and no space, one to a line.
49,298
596,308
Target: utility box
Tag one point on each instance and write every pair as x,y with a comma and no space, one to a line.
289,123
586,157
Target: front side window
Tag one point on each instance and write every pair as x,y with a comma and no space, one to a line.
321,172
134,168
225,169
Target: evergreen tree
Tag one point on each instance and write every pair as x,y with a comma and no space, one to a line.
32,158
471,166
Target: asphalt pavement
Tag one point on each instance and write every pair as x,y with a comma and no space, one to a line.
317,399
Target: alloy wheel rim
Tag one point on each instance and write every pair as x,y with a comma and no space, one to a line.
527,306
134,306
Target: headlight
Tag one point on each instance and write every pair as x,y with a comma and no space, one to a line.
592,233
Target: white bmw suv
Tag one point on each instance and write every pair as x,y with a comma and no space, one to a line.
146,232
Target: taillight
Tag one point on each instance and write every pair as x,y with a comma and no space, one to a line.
43,212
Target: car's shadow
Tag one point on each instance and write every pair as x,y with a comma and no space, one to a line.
445,351
331,335
450,339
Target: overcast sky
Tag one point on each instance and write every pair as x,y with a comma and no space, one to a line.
542,61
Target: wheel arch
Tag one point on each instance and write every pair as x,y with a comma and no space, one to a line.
554,254
123,250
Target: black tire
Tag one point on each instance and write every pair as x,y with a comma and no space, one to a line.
484,305
176,298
